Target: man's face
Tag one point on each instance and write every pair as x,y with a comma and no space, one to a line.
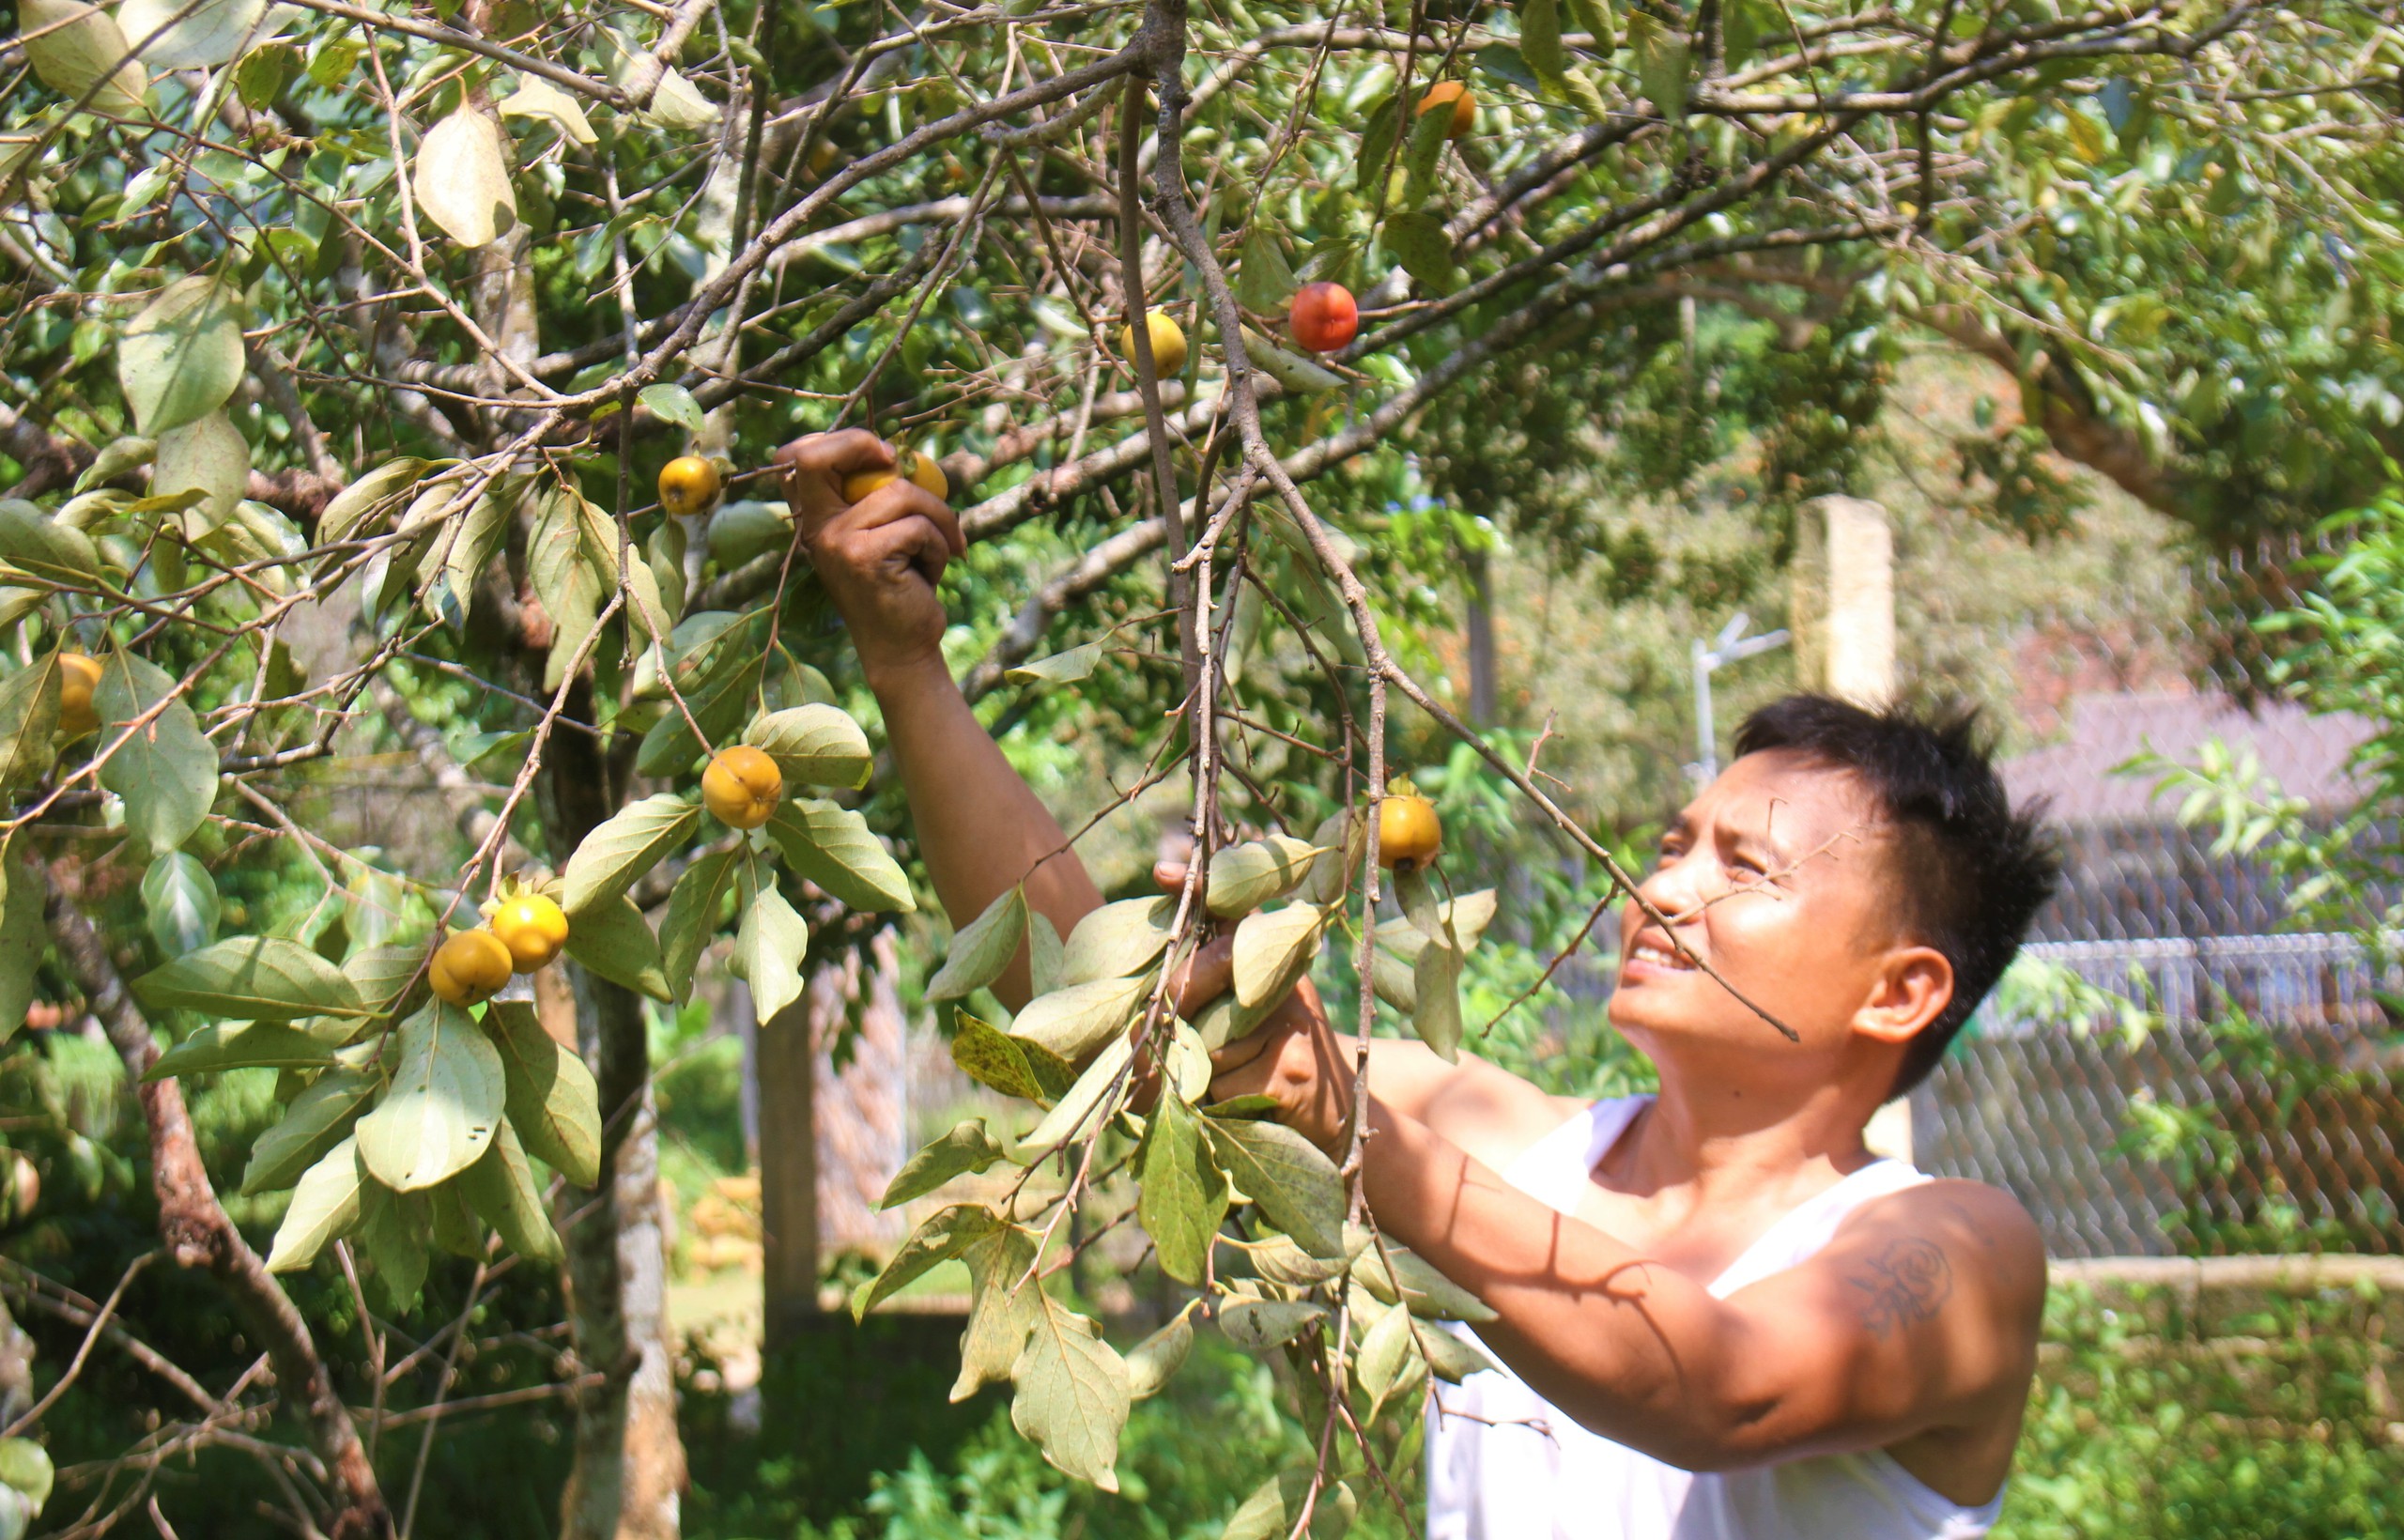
1778,877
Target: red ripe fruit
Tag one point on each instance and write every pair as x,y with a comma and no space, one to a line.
1324,317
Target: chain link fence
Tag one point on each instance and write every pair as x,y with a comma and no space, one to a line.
2202,1080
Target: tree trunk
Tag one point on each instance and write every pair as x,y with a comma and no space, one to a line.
789,1158
830,1141
629,1469
198,1234
1484,690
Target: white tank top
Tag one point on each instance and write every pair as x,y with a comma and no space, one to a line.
1512,1466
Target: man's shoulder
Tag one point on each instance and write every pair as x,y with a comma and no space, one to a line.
1986,1237
1493,1114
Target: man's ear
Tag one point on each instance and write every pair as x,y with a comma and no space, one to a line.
1915,984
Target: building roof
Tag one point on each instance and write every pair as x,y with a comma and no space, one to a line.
2305,754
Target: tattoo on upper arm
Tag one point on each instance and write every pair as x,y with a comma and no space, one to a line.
1903,1285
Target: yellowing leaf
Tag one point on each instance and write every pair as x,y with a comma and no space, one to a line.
1243,877
1292,1180
73,58
1071,1394
461,177
967,1149
1000,1311
1075,1021
1273,949
946,1233
538,98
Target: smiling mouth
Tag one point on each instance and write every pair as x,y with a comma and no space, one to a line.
1659,954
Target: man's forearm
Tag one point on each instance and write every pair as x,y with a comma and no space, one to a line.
981,827
1624,1345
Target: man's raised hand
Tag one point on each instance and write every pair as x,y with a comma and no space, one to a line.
881,557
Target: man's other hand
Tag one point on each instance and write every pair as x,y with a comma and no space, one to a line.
881,557
1294,1057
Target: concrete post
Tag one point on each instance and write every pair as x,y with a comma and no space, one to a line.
1844,622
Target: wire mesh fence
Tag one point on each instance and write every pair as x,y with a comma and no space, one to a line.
2247,1097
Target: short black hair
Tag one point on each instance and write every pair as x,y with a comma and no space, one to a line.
1974,870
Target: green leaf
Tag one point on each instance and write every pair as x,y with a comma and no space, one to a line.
610,939
1418,241
967,1149
1059,668
25,1466
983,949
1428,1293
319,1119
39,545
325,1205
377,492
1243,877
1594,18
614,856
1117,940
1264,282
166,771
1071,1394
768,948
382,974
1075,1021
22,936
1259,1324
671,403
1540,40
1081,1107
501,1189
813,745
1295,1185
1274,948
241,1045
451,1222
180,899
1436,1001
538,98
693,908
251,978
208,456
993,1058
1661,63
1154,1361
1000,1312
393,1233
475,537
181,35
1385,1359
1429,132
832,847
28,721
1450,1359
117,456
1183,1197
1272,1511
548,1092
181,357
1376,143
946,1233
1046,958
439,1114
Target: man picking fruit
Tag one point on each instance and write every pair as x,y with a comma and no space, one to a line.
1719,1317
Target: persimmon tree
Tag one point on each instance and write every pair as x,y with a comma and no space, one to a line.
392,317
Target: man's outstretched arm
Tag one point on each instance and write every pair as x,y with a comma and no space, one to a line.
981,827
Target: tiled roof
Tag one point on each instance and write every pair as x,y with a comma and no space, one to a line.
2305,754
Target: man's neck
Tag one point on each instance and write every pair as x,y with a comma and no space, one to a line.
1725,1143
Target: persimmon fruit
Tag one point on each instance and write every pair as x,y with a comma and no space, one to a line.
470,966
1408,832
741,787
78,676
1167,339
689,485
1323,316
1464,105
533,927
908,465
